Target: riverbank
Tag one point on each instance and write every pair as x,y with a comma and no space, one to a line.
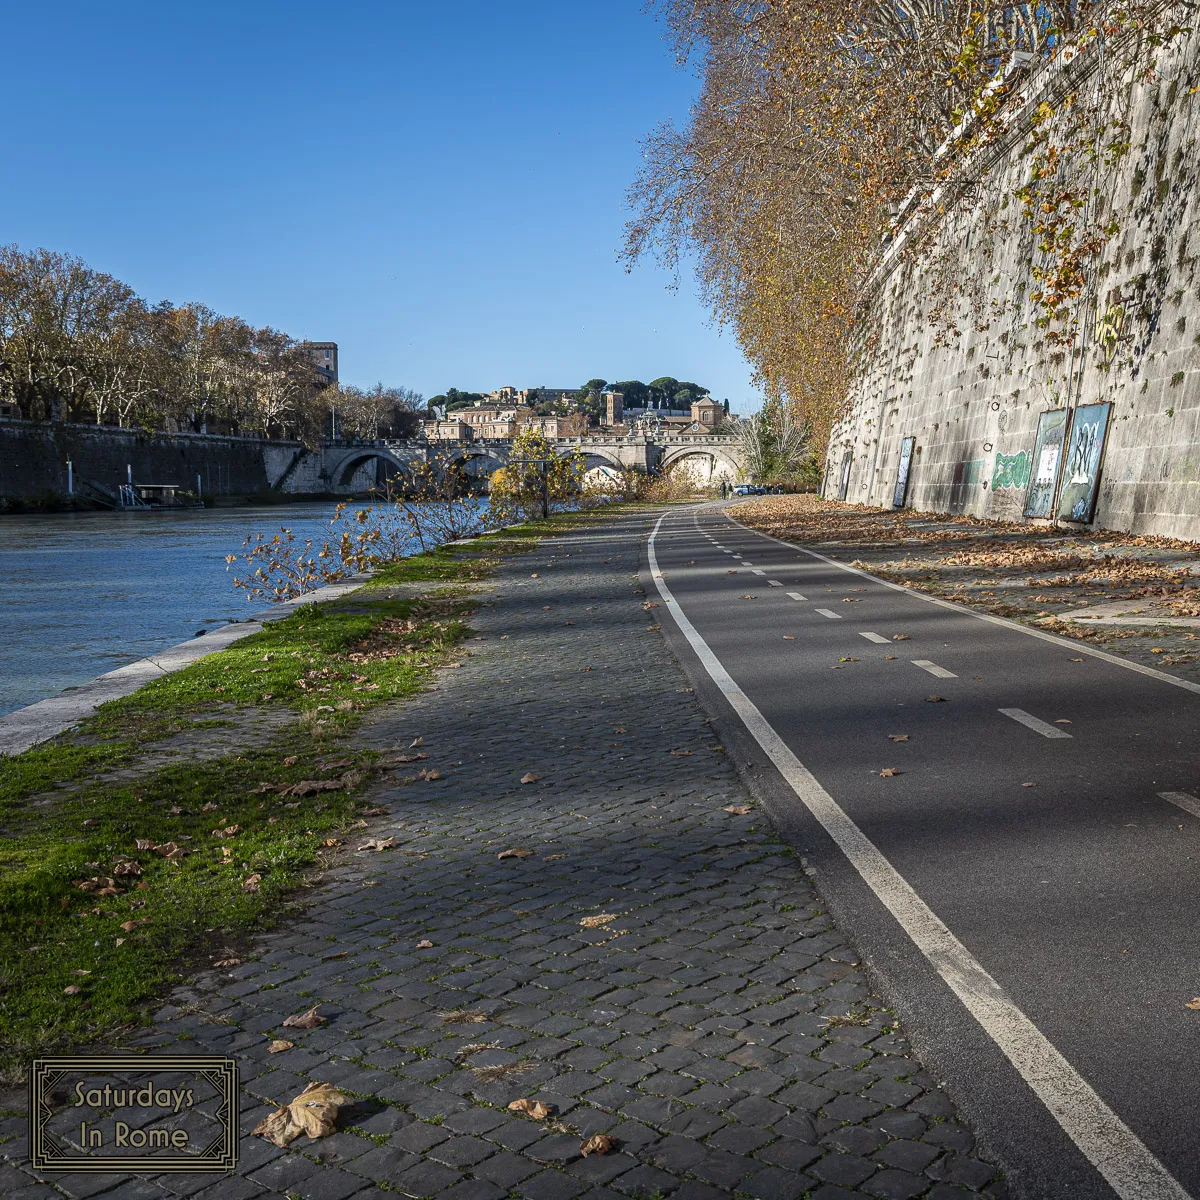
582,905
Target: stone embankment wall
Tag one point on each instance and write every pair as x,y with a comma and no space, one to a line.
952,353
34,454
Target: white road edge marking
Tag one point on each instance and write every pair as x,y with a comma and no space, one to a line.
932,668
797,596
1103,1138
1184,800
1031,722
756,571
774,583
874,637
825,612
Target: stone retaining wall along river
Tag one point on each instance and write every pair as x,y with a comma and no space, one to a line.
34,456
955,356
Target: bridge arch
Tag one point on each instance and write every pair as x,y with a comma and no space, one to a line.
342,473
706,464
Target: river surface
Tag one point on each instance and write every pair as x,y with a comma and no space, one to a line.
84,593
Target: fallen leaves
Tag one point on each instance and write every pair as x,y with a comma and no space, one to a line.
305,1020
1193,1004
378,844
166,849
789,637
228,962
529,777
749,597
251,882
515,852
935,699
599,1143
847,660
739,810
130,926
279,1045
101,885
889,772
314,1112
73,990
898,737
900,637
424,944
598,921
532,1108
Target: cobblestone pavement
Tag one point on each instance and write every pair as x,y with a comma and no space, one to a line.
711,1018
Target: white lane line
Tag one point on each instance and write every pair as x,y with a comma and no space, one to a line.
757,572
874,637
1032,722
1106,1141
797,596
1062,643
774,583
825,612
1184,800
932,668
727,551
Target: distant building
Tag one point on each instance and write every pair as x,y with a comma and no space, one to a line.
614,408
324,358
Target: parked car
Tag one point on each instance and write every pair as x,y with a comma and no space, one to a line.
747,489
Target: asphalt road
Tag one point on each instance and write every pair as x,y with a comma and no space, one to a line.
1026,815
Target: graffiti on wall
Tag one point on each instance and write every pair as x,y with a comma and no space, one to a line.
1011,470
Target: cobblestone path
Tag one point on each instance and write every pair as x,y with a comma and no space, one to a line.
710,1017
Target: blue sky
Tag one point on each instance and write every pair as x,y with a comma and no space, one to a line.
438,188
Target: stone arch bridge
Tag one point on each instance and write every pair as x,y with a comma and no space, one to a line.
361,466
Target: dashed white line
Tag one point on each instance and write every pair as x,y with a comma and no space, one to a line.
797,596
1106,1141
874,637
757,572
1032,722
825,612
934,669
1184,800
774,583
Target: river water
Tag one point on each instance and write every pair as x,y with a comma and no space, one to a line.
84,593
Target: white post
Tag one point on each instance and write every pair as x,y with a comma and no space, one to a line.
70,478
129,472
198,491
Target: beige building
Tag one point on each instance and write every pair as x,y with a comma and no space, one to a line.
324,358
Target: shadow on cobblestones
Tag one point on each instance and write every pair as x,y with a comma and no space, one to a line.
717,1026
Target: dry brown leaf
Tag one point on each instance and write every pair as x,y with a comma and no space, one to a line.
553,857
175,810
789,637
290,761
682,753
432,775
599,920
599,1143
1029,785
898,737
533,1108
620,729
378,844
529,777
209,807
888,772
935,699
749,597
73,990
146,843
1077,660
80,971
847,660
407,758
1063,721
127,867
228,962
228,831
1194,1005
338,954
305,1020
417,741
279,1045
424,944
251,882
130,926
900,637
313,1111
739,810
515,853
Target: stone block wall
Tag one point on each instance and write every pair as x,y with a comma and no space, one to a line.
972,399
